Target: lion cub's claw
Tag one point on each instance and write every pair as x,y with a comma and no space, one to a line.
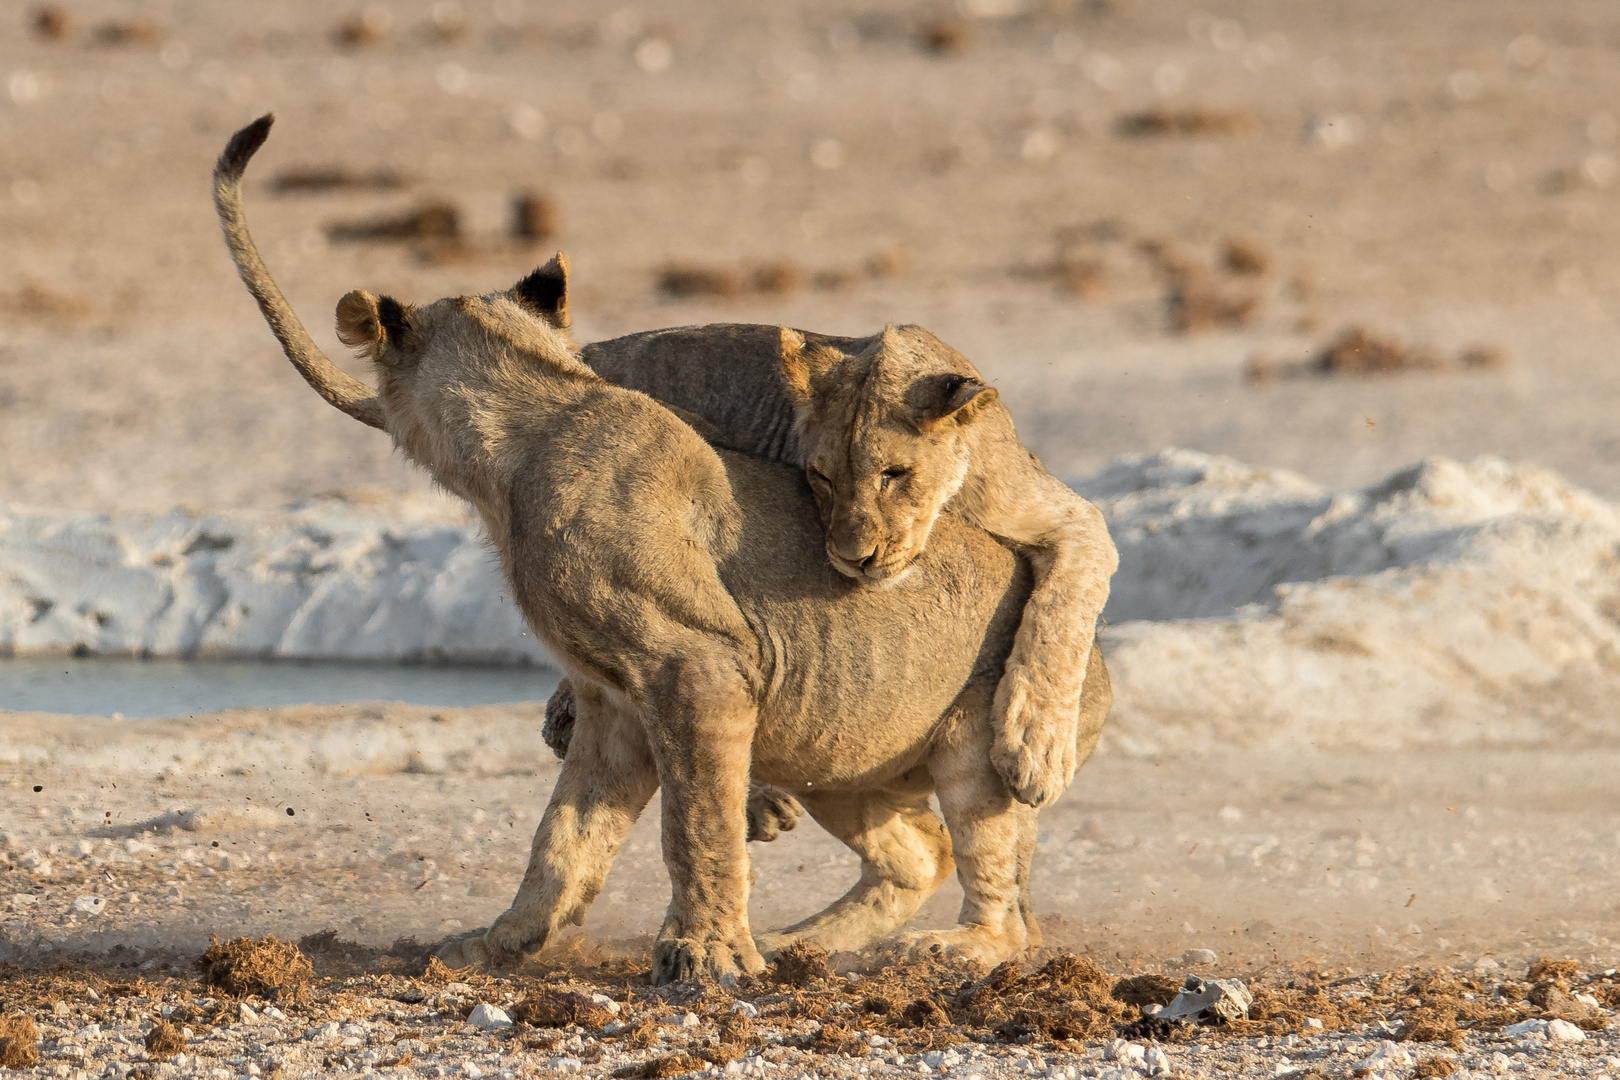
682,959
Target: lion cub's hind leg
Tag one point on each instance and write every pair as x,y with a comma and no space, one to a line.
905,856
606,781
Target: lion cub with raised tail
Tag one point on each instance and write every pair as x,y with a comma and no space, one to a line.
680,587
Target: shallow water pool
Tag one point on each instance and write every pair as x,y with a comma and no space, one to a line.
147,688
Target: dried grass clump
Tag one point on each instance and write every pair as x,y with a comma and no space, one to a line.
800,964
1140,990
436,221
1545,970
1434,1067
945,37
52,23
1192,120
561,1008
1246,257
693,279
318,179
19,1043
534,218
1196,304
265,967
164,1040
660,1067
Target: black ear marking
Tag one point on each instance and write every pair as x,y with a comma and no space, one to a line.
545,292
395,319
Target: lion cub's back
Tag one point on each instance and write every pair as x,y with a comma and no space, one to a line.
860,677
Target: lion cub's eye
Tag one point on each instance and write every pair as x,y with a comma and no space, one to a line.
889,476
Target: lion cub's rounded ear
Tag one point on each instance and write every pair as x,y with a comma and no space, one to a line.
939,399
357,323
545,292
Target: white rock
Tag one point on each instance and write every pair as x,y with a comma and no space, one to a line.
607,1003
245,1011
1198,958
747,1009
488,1017
1525,1027
1313,1022
89,905
1157,1062
471,1071
1564,1031
685,1020
457,988
273,1013
1388,1055
1588,999
1131,1053
565,1064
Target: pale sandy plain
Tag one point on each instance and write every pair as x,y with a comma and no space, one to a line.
1442,173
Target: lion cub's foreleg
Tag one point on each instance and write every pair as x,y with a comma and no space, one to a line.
905,856
606,782
1009,493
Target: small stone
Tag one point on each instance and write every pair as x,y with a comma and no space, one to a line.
1564,1031
89,905
488,1017
1525,1027
61,1008
1589,1001
1198,957
247,1014
1386,1056
1131,1053
1157,1062
685,1020
471,1071
565,1064
607,1003
746,1009
1313,1023
273,1013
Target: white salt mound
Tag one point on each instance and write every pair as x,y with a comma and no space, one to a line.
1450,605
333,579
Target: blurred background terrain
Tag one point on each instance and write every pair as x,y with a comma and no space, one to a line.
1150,224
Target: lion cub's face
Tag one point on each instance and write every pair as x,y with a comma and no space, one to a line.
883,436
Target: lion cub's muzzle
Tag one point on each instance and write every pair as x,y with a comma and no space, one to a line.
880,569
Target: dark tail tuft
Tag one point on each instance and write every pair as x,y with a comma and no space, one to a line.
243,145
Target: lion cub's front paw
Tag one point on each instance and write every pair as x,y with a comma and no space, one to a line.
681,959
1034,746
464,950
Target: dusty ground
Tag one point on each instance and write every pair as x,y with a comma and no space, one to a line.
1330,883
